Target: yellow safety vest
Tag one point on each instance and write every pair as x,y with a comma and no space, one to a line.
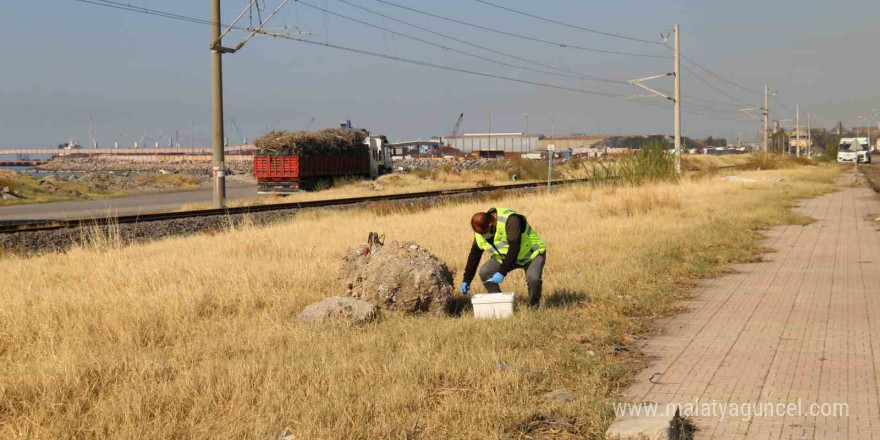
531,245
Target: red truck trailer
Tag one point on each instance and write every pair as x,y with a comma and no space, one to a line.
284,174
287,174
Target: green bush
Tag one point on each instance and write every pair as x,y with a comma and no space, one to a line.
830,154
649,164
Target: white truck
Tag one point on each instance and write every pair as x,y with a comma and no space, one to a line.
854,149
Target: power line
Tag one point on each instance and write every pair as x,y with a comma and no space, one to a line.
164,14
787,108
609,34
595,31
537,63
453,69
128,7
713,86
578,76
117,5
524,37
721,77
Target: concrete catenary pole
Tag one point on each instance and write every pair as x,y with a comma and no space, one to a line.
809,135
489,127
677,100
766,111
217,160
797,131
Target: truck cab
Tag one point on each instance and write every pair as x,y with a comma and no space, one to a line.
854,150
380,155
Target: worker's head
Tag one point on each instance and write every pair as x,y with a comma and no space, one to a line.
483,223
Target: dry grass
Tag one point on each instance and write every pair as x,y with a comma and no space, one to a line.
706,162
193,338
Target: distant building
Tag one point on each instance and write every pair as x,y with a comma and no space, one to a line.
867,131
501,142
573,142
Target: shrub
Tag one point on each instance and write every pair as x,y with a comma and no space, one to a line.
830,154
650,164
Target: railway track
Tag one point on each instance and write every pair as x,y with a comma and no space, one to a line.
49,225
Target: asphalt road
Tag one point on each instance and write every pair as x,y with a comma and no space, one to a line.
131,205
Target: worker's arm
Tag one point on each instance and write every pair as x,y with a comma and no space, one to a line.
470,269
514,227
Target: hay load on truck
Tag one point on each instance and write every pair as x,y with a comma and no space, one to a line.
286,162
854,149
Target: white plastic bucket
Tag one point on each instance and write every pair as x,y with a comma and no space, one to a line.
492,305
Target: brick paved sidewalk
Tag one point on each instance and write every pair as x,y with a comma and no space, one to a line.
804,324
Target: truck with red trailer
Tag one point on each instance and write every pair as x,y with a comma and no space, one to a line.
288,174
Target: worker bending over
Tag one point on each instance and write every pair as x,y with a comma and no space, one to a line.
512,244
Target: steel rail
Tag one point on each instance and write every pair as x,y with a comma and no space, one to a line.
48,225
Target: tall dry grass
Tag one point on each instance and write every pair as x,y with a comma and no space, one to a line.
194,338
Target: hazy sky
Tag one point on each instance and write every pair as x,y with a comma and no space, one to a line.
65,60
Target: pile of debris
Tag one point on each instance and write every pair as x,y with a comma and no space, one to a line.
328,142
399,276
411,164
7,193
50,185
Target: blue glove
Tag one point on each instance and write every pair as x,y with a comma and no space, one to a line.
465,287
497,278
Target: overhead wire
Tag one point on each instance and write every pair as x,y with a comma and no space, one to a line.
506,54
609,34
550,20
521,36
625,37
703,107
713,87
490,60
179,17
776,100
118,5
721,77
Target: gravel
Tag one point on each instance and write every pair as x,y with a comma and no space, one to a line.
36,242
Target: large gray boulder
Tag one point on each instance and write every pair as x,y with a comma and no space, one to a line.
339,307
399,276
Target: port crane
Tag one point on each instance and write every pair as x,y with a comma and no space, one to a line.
457,127
241,139
458,124
92,133
140,142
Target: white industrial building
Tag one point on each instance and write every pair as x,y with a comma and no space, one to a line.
506,142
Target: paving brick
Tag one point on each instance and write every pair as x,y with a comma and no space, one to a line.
802,326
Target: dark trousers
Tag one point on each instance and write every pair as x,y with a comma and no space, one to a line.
534,277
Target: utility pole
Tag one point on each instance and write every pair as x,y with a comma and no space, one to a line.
217,159
797,131
677,100
766,110
809,135
489,126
